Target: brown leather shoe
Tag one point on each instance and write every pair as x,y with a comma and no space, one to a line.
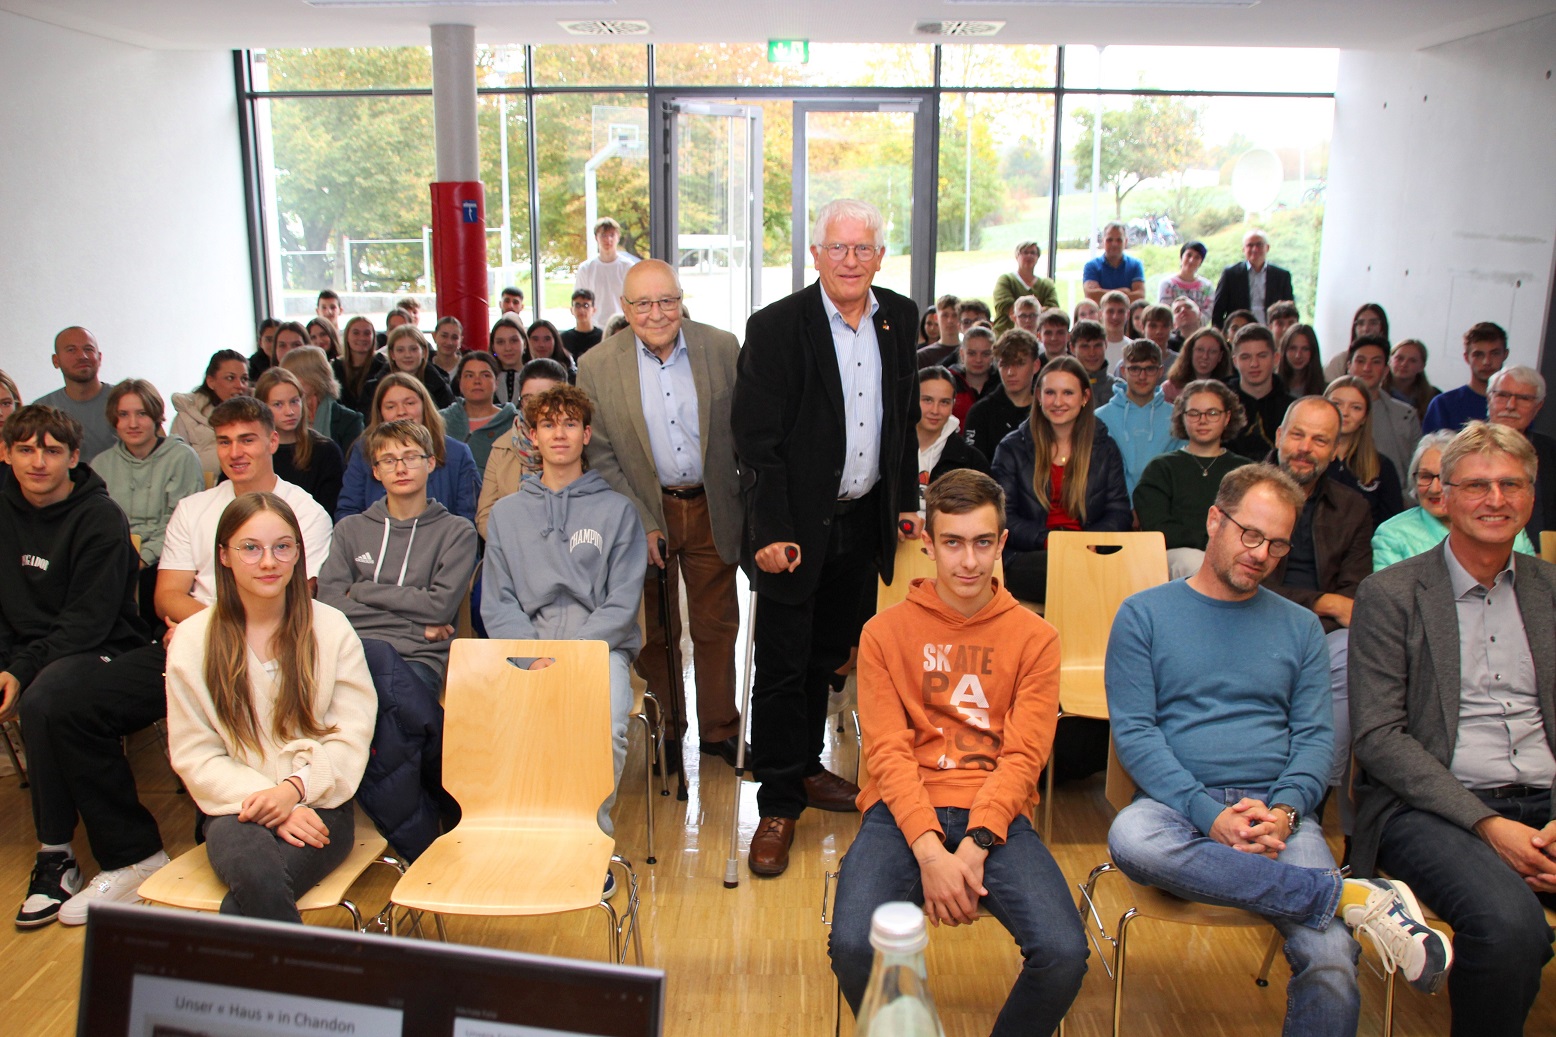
827,791
770,846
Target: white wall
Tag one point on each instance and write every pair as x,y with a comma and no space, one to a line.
121,206
1442,193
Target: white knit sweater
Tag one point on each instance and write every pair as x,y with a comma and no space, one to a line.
219,773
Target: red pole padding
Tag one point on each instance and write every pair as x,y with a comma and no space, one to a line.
459,256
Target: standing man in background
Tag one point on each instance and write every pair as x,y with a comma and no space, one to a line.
824,414
1252,284
606,274
84,396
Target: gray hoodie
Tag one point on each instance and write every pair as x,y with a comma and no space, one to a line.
393,578
565,566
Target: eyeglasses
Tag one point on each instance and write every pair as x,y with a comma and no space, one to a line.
1480,489
1142,368
1522,398
1252,538
642,307
283,551
412,463
1425,478
1204,415
864,253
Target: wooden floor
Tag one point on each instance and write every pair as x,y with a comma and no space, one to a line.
752,961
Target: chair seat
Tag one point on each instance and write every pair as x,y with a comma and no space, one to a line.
189,882
476,870
1082,692
1151,902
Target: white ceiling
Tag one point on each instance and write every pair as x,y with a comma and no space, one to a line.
243,24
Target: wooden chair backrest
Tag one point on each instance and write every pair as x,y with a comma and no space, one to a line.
913,562
524,745
1085,588
1119,788
135,543
1548,545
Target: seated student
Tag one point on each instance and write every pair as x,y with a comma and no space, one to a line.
327,306
270,715
545,342
1280,317
1357,461
973,376
997,415
509,343
1452,698
410,353
68,613
954,757
476,419
399,570
1406,380
1186,321
359,365
1221,715
1423,527
447,348
1485,351
1263,394
1236,321
321,395
1085,309
512,301
583,335
455,482
566,556
226,376
289,336
1088,345
513,455
323,333
1205,355
940,449
264,356
1179,486
941,350
1299,368
972,311
147,474
1137,417
1059,470
306,457
1395,424
1053,334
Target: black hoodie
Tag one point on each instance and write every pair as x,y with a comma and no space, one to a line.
69,575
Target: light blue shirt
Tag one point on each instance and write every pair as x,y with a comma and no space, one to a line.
669,398
859,368
1501,735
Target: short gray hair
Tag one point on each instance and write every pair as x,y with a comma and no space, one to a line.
1519,373
1115,225
1484,438
1438,440
848,209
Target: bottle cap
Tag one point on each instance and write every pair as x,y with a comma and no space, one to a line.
898,928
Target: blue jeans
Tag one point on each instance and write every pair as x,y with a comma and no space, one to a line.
1027,893
1500,939
1298,892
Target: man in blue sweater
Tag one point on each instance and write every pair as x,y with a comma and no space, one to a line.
1230,749
1485,351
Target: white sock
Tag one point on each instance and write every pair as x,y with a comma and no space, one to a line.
57,848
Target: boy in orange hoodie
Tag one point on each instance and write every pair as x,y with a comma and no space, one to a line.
958,699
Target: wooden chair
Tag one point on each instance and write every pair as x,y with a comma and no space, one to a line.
1085,589
1548,545
527,753
189,882
210,479
1153,903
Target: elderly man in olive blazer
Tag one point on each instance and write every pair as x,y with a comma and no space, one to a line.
661,436
1453,702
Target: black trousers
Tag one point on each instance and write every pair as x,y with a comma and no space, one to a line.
73,715
798,648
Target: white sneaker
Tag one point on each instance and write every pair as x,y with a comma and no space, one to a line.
119,885
1393,918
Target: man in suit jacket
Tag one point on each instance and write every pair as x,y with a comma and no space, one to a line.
826,400
1453,701
1252,284
662,391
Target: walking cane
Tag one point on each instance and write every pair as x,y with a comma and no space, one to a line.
674,755
732,862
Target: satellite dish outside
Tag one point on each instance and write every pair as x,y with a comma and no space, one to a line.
1256,179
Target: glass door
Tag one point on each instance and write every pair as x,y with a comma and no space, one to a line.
713,163
867,149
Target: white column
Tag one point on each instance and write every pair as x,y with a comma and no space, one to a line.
454,103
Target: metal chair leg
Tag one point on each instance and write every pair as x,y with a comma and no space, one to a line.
356,916
1263,978
1118,968
612,932
630,921
648,779
1388,1005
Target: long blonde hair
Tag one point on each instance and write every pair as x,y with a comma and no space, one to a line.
1072,495
1361,455
355,374
226,643
431,420
302,449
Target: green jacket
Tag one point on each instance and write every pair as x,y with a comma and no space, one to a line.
1411,532
148,491
480,441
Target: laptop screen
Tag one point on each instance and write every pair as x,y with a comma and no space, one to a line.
150,972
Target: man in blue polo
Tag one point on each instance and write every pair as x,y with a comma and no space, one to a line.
1113,270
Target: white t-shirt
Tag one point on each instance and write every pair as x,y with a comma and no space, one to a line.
605,280
190,544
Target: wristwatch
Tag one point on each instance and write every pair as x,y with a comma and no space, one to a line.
1293,816
982,838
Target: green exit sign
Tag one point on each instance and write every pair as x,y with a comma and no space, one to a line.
788,52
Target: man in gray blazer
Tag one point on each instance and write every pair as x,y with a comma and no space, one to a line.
1396,427
661,392
1453,702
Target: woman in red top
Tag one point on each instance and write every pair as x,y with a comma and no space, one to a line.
1059,470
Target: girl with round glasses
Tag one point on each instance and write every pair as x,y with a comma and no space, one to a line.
271,711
